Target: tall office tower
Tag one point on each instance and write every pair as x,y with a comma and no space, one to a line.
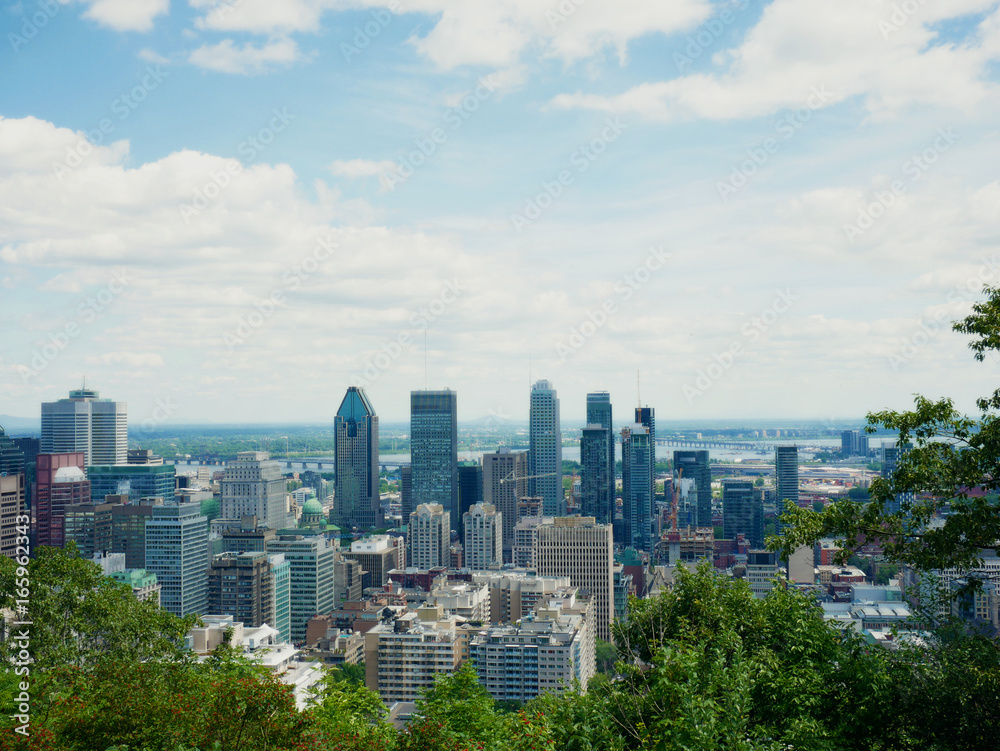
253,486
863,449
504,484
405,492
891,454
177,552
470,489
545,449
136,481
59,482
646,416
281,595
85,422
12,507
849,442
595,498
742,512
483,539
429,536
786,480
637,488
355,444
11,457
695,465
239,584
311,558
582,549
88,525
128,530
434,450
599,413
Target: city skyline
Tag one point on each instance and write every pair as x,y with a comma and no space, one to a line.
214,205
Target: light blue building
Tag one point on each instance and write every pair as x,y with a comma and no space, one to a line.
545,449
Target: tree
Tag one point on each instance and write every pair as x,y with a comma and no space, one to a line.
347,715
951,455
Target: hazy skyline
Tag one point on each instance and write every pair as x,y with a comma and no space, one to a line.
770,209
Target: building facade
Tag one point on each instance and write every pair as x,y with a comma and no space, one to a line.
504,484
254,486
311,584
599,412
434,451
786,480
695,465
137,481
12,516
60,481
742,511
596,499
470,489
85,422
637,488
177,553
429,536
356,489
545,449
483,541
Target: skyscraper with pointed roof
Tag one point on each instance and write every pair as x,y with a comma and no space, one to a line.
356,489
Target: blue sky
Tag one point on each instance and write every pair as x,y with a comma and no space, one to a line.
766,208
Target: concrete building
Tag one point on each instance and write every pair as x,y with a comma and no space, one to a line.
378,555
348,578
468,601
177,553
504,483
429,536
545,449
638,489
311,590
761,568
514,594
144,584
12,459
86,423
59,482
356,494
549,651
583,550
742,511
239,584
12,515
88,526
253,486
526,540
434,451
483,543
247,536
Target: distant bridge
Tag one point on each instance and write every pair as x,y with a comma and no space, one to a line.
737,445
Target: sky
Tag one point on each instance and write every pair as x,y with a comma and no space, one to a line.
232,210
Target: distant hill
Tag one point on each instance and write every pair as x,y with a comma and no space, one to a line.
15,425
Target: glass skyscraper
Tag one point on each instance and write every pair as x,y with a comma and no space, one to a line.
786,480
545,450
356,495
637,488
434,451
695,465
599,413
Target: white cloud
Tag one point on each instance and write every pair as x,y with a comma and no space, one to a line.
362,167
131,359
151,56
800,46
245,59
127,15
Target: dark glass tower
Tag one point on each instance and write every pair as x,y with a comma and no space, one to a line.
637,488
470,490
694,465
434,450
786,480
741,513
355,436
599,413
595,500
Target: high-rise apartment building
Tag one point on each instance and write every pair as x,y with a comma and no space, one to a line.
504,484
545,449
483,536
59,482
85,422
355,435
637,488
599,412
595,491
254,486
239,584
695,465
310,558
429,536
434,450
786,480
88,525
742,511
891,453
582,549
646,416
177,552
378,555
12,515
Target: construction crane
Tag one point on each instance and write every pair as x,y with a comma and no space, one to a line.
513,476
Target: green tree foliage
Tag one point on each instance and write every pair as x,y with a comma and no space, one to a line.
951,453
347,716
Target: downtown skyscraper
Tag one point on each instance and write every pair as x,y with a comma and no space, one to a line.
355,442
85,422
637,488
786,480
597,457
434,451
545,449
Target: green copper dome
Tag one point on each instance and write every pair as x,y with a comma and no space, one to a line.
312,508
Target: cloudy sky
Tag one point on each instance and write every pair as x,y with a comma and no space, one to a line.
231,210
